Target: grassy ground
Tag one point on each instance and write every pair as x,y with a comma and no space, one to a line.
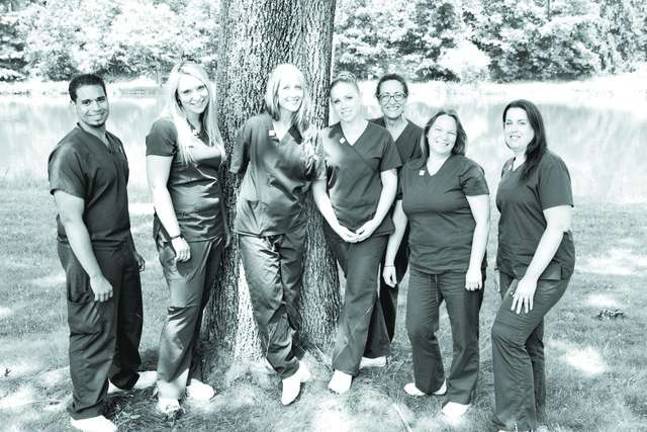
597,378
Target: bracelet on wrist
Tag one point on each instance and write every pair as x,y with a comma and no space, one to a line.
175,237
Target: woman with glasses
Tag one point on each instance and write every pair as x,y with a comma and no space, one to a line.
184,153
355,199
535,258
391,92
445,200
275,153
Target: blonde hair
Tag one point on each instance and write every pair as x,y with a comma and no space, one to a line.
174,110
303,117
344,77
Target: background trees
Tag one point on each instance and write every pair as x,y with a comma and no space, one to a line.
12,47
463,40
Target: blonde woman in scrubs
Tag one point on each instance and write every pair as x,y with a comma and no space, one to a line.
445,200
184,153
354,199
275,154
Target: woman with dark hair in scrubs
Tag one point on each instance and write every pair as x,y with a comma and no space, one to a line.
391,92
354,199
184,153
275,152
445,199
535,259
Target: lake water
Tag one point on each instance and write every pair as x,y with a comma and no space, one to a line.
603,146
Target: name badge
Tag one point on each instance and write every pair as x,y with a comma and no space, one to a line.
342,140
271,133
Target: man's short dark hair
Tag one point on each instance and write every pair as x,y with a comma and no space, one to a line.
84,80
392,77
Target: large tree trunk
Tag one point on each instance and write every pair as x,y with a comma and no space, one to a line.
255,37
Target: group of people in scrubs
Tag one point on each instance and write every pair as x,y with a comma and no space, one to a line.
394,196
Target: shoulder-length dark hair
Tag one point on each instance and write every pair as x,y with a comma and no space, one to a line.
461,136
538,145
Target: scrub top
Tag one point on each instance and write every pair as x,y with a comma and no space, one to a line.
440,219
194,187
278,175
408,142
353,173
83,166
522,223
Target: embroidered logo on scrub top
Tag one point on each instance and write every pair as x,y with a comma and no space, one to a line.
271,133
421,172
342,140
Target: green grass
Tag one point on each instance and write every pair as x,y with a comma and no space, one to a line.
597,380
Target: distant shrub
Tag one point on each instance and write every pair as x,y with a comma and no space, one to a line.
465,61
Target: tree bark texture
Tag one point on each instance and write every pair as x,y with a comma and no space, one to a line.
256,35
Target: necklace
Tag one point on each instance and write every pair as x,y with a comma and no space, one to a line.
195,131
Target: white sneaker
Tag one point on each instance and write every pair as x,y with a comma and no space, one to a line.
454,410
94,424
292,384
146,379
168,406
199,391
412,390
340,382
377,362
442,390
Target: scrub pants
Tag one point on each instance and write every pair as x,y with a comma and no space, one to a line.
518,354
104,336
384,314
190,284
424,296
273,269
360,263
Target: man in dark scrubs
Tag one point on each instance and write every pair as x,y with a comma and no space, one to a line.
392,92
88,173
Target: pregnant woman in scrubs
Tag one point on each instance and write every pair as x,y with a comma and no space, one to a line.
184,152
535,258
445,200
275,153
354,199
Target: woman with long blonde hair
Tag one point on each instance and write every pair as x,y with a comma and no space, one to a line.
184,155
275,155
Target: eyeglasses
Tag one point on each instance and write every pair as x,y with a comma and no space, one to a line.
396,97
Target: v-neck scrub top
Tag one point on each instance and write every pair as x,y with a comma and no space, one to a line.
194,186
83,166
522,222
440,219
353,173
408,142
278,175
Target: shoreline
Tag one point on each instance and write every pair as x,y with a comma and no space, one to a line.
632,84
